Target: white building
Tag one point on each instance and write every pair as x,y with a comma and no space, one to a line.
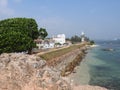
48,44
44,44
60,38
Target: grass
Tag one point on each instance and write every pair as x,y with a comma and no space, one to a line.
54,54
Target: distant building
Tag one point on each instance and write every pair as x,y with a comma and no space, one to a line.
60,38
82,37
44,44
48,44
57,41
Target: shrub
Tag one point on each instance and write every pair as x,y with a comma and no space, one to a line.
17,34
15,42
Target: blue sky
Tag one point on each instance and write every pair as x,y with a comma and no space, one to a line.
99,19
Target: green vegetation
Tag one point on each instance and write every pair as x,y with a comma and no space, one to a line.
17,34
43,33
92,42
15,42
57,53
75,39
27,26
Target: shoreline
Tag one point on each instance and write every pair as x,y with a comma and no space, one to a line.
73,77
81,75
70,67
30,72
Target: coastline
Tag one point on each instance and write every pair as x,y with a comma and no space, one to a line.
81,75
30,72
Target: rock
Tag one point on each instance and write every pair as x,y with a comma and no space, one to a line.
19,71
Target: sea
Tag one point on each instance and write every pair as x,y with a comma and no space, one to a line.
103,62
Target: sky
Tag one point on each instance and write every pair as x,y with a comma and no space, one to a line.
98,19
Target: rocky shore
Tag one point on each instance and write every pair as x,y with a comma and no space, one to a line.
28,72
19,71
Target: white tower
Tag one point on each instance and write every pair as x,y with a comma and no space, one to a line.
82,36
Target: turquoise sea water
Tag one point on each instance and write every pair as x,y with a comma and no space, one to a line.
104,66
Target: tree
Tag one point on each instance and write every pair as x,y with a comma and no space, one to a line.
75,39
92,42
15,42
43,33
17,34
26,26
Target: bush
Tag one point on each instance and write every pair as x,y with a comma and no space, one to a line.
92,42
26,26
75,39
17,34
15,42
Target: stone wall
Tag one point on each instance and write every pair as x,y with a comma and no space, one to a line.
28,72
19,71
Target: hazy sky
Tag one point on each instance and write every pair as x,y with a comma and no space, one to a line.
99,19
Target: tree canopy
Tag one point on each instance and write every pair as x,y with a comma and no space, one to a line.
26,26
92,42
75,39
43,33
15,42
17,34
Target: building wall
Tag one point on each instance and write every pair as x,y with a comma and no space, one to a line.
59,39
50,45
45,44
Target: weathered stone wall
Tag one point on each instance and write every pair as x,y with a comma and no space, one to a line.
61,62
28,72
20,71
